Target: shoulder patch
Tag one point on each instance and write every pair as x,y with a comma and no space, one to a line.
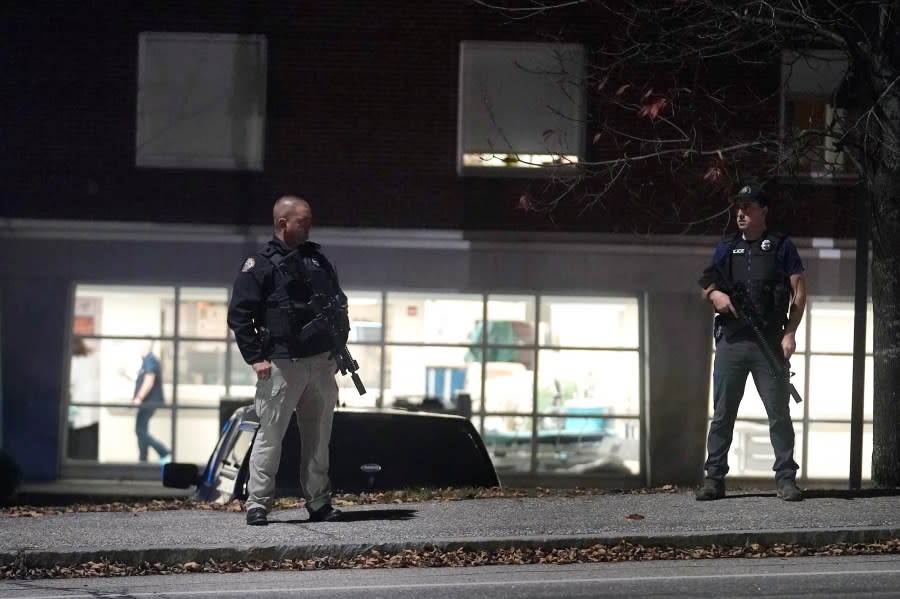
249,263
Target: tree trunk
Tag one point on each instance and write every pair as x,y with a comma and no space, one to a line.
886,408
885,190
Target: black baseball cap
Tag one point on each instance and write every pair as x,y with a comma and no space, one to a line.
751,192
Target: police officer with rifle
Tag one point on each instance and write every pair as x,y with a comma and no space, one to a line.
330,318
289,318
779,368
756,285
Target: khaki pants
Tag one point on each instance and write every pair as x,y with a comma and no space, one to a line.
305,386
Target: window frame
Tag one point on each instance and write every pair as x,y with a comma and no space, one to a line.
86,467
789,159
248,157
522,164
74,467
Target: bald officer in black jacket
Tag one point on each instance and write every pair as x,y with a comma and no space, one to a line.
295,370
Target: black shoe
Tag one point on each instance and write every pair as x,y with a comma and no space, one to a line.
788,490
326,513
711,489
257,517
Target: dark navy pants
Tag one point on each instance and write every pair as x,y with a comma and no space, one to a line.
144,438
735,359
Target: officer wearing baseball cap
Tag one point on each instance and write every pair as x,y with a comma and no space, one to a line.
767,265
751,192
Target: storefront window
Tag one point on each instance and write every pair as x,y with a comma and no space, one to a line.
552,383
103,417
125,335
833,330
589,398
823,376
434,375
600,382
589,322
364,308
203,312
829,450
831,383
120,310
432,317
201,373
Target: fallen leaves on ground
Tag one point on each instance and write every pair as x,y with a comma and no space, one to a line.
460,557
137,506
342,499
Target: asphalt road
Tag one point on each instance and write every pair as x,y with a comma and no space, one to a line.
861,576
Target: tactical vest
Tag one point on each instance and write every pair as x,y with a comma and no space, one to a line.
289,306
755,265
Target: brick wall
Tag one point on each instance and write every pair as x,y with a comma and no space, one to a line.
361,119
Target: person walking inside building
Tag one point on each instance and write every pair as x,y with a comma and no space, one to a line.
148,395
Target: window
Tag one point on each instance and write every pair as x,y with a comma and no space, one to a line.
589,384
365,345
521,107
114,328
822,367
815,114
553,381
201,101
428,350
830,367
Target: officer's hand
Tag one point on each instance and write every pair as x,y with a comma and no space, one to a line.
788,345
263,370
722,303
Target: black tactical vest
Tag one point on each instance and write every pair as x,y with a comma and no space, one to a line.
755,265
303,278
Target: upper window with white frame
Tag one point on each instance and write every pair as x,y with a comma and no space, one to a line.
814,115
201,101
521,108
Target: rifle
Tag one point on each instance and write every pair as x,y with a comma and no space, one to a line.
330,316
779,368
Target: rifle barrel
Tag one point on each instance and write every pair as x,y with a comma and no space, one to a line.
358,382
778,367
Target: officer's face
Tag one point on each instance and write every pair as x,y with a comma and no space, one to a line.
750,215
296,225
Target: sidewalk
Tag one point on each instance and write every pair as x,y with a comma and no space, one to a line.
676,519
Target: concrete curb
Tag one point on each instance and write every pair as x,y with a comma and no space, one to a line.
169,556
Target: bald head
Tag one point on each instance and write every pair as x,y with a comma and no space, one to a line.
284,206
291,220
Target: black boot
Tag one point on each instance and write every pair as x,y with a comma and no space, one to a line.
257,517
326,513
712,488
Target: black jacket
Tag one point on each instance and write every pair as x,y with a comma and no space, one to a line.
253,300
